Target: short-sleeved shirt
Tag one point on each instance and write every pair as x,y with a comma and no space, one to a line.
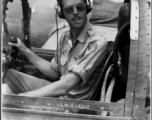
82,58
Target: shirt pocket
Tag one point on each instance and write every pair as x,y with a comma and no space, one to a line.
64,60
64,56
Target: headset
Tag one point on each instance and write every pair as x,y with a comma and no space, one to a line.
60,12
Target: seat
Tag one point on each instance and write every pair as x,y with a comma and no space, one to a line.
119,52
110,81
97,87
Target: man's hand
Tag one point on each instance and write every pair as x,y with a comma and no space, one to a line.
19,45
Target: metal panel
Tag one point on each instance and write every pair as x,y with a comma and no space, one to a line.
132,59
139,66
22,102
134,20
14,114
131,78
143,65
0,36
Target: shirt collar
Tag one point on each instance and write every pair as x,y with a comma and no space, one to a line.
83,34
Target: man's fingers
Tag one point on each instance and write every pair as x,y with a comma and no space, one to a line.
12,44
18,40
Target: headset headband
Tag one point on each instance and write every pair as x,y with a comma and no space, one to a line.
60,12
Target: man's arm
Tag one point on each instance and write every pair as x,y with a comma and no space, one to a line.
41,64
58,88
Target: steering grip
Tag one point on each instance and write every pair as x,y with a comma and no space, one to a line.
13,40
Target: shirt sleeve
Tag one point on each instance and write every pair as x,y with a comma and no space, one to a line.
95,54
54,65
55,62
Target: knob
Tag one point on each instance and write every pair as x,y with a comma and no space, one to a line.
13,40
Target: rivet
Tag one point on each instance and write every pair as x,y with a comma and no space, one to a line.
139,72
136,17
49,104
138,88
102,108
146,65
13,101
22,102
58,105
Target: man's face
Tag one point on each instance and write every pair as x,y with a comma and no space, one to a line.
75,13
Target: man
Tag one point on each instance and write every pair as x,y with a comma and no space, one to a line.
79,53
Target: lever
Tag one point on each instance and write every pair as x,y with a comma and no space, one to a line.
13,40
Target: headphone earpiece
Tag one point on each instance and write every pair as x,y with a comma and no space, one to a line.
89,8
61,15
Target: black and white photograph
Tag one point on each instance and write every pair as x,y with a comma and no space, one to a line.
75,59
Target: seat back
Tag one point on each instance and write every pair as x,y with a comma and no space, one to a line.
124,14
95,94
121,51
123,17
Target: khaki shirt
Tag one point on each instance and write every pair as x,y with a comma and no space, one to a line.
82,58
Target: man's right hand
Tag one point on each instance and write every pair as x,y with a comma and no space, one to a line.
19,45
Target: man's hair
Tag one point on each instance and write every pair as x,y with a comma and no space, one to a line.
61,5
60,12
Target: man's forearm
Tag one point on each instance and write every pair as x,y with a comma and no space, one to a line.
41,64
52,90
